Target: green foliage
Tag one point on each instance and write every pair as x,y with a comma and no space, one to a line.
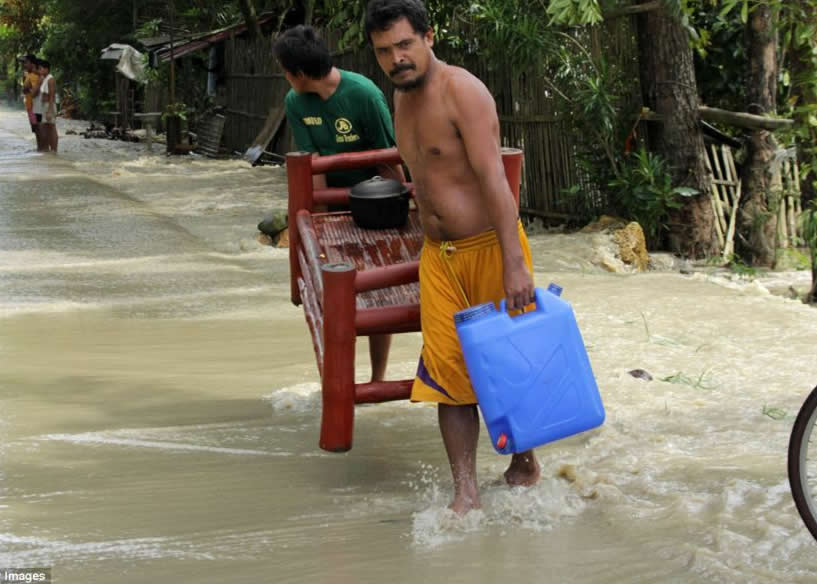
737,266
601,105
511,31
348,17
574,12
799,82
792,259
148,29
775,413
22,24
703,382
597,100
643,190
75,33
448,18
808,221
176,109
720,56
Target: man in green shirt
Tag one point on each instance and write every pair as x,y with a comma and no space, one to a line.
334,111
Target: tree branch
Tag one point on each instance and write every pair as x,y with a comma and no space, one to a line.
634,9
740,119
743,119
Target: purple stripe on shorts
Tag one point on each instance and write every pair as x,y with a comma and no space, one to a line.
425,376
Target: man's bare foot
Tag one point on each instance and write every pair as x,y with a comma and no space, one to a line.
524,470
465,501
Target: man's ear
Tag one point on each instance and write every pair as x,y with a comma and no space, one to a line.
429,37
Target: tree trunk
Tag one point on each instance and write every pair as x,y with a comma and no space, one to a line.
803,92
669,87
248,10
309,11
812,295
758,214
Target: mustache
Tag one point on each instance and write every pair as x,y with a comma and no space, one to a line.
400,68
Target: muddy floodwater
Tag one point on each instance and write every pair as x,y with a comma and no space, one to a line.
160,407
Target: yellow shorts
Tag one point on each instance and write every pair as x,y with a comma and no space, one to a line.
475,262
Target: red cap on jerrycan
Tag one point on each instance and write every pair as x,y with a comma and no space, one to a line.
501,441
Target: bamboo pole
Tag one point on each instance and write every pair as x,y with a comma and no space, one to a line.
782,229
720,226
797,201
729,247
718,229
788,181
731,176
723,192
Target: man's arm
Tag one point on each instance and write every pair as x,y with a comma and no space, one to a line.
303,140
475,116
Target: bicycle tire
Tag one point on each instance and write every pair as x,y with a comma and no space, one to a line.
801,433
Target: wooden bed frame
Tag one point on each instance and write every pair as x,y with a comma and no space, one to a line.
353,282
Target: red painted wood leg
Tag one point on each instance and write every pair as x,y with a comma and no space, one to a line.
338,382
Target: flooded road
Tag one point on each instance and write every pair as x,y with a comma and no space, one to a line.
159,406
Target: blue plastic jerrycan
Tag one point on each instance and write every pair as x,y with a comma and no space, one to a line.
530,373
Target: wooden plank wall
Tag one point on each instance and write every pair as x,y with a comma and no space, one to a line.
254,83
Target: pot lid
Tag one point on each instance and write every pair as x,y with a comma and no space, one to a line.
378,187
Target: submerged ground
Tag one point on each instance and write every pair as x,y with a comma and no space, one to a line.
159,405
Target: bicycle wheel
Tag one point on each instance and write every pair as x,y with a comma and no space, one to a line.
803,462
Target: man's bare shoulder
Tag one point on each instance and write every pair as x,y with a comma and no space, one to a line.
466,95
461,83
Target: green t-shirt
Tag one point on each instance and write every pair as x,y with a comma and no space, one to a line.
354,118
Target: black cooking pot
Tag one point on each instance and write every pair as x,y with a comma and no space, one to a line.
379,203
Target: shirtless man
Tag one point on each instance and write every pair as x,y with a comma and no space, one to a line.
475,250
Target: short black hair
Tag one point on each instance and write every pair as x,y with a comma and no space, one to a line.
382,14
300,49
30,58
44,63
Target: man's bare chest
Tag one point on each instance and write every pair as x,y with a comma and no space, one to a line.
426,137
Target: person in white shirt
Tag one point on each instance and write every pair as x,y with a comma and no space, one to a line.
37,109
48,95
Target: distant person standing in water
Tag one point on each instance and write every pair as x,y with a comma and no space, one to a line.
475,249
332,111
31,86
48,93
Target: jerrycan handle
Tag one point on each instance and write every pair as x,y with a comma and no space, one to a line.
539,296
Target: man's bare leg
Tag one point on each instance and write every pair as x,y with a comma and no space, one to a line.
524,469
40,135
460,430
50,137
379,355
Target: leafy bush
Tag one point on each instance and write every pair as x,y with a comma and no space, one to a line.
643,191
177,109
808,221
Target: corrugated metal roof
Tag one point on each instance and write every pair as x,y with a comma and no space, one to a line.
203,40
113,51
